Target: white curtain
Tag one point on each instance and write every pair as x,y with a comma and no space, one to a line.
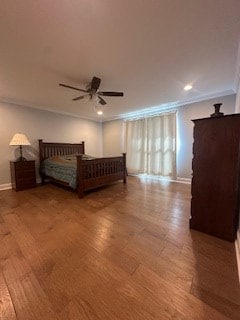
151,145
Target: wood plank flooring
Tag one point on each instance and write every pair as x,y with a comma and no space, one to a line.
122,252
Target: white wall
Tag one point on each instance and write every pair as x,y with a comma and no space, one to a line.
113,140
237,108
37,124
187,113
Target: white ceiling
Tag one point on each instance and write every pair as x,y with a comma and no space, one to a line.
148,49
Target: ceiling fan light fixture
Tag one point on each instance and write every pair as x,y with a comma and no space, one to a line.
86,98
92,92
99,112
95,97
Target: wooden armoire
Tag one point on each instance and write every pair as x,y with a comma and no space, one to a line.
215,180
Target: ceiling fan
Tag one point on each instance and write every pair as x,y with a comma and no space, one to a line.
92,91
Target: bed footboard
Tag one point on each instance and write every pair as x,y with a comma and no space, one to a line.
99,172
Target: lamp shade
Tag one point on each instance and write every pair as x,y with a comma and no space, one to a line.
19,139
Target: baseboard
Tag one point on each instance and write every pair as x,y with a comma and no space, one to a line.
145,176
237,246
5,186
184,180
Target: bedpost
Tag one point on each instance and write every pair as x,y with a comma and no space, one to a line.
80,174
40,150
83,147
124,168
41,158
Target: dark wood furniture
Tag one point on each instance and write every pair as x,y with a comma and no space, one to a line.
90,173
23,174
215,181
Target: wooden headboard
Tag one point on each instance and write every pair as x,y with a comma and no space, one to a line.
49,149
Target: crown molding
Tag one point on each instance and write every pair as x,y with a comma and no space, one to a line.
145,111
171,106
69,114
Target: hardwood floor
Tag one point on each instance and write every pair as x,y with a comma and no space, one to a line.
122,252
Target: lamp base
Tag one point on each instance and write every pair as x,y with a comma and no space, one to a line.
21,159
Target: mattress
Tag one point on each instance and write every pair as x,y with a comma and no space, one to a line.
63,168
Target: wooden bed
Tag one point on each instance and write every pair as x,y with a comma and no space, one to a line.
90,173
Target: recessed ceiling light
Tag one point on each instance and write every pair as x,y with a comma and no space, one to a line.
99,112
188,87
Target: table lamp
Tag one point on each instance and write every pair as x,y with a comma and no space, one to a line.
19,139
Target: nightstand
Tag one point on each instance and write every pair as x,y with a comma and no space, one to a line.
23,174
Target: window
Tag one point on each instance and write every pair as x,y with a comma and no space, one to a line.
151,145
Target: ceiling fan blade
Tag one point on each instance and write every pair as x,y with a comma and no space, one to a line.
78,98
111,94
95,83
66,86
101,101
